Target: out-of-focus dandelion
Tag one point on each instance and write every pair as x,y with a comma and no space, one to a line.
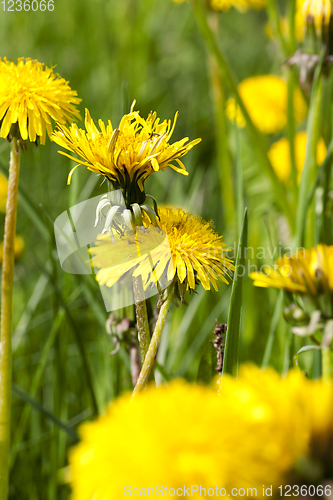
291,416
265,98
30,97
3,193
279,155
307,272
127,155
317,12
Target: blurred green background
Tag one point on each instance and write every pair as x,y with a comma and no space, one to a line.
113,52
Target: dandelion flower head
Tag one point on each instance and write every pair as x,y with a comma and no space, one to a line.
128,154
265,98
318,12
307,272
194,252
258,427
279,155
31,96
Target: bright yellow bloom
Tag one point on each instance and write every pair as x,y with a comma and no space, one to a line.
30,95
279,155
308,272
257,428
265,98
128,154
3,193
317,11
241,5
194,252
18,248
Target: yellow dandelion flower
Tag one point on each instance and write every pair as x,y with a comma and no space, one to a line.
194,252
307,272
3,193
265,98
279,155
30,95
18,248
318,12
128,154
257,428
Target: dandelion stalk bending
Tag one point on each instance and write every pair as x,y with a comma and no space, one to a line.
141,316
7,284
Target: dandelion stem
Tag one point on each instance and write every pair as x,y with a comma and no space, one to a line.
326,364
141,316
6,318
153,346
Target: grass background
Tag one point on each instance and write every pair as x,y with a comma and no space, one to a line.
113,52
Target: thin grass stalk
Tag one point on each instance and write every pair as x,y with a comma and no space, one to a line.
20,429
141,316
291,24
154,343
307,179
7,286
272,330
326,364
224,161
274,18
257,140
291,132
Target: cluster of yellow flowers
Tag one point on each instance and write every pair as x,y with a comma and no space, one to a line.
257,427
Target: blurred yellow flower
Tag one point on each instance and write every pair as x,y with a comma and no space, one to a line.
128,154
279,155
18,248
193,251
257,428
307,272
3,193
318,12
265,98
30,95
241,5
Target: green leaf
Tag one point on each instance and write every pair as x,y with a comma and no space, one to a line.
206,371
231,356
308,348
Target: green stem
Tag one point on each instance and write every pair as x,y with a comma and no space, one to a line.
291,132
326,365
308,172
6,318
154,343
141,316
257,139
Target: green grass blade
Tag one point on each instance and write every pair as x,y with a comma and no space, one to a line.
24,396
270,339
231,356
307,179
